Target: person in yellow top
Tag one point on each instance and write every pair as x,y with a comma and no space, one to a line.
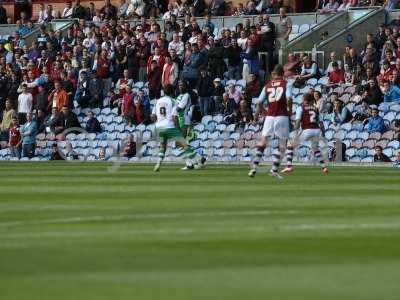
5,124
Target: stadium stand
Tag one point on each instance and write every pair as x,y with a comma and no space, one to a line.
65,75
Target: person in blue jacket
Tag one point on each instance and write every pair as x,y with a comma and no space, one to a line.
391,92
375,123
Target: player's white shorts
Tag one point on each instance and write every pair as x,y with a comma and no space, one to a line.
312,135
276,126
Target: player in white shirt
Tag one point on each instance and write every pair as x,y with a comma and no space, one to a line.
167,125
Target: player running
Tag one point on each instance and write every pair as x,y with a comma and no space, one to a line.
167,126
276,122
307,117
183,107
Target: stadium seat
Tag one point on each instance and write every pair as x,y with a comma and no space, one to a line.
390,116
231,128
368,159
295,28
375,135
214,135
218,118
199,127
304,28
235,135
370,143
323,81
394,145
206,119
388,151
312,82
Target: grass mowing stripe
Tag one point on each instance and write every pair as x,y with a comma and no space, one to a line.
197,235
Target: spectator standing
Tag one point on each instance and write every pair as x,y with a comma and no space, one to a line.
41,100
154,78
283,28
170,72
3,14
25,101
58,98
127,105
8,115
268,36
68,11
123,7
232,54
28,133
190,68
79,12
109,11
204,90
216,63
15,141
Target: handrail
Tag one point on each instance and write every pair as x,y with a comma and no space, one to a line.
353,24
309,32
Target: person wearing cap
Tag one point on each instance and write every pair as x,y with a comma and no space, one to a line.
375,123
217,95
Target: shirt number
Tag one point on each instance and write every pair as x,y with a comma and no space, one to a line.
163,111
274,94
313,116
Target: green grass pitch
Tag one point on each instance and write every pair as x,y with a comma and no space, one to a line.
76,231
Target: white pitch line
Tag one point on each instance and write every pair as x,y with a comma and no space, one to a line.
147,216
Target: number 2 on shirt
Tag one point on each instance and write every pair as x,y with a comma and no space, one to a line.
274,94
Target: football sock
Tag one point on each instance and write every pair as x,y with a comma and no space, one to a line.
258,156
289,156
276,160
318,156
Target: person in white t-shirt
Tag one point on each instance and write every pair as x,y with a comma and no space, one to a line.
25,101
68,10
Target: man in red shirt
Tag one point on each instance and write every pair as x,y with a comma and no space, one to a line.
15,138
336,76
276,122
